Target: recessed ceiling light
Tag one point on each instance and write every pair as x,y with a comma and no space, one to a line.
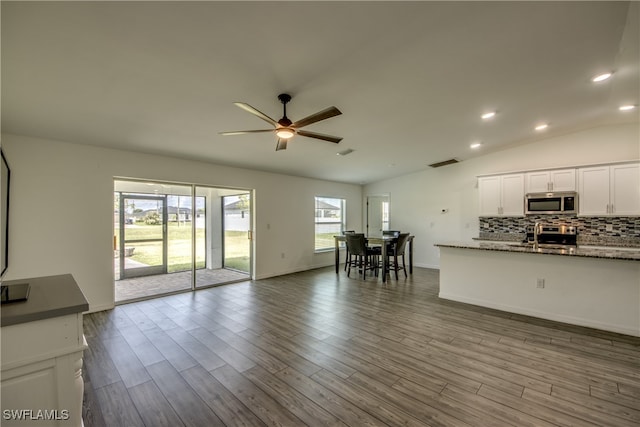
488,115
542,126
475,145
601,77
628,107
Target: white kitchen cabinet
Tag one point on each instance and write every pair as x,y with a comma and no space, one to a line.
609,190
501,195
551,180
624,193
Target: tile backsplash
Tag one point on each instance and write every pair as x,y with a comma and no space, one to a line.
624,231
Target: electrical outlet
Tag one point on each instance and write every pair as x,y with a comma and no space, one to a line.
540,283
608,227
282,255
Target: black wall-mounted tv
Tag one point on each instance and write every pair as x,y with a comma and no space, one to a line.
5,177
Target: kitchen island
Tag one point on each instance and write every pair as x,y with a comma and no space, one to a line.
587,286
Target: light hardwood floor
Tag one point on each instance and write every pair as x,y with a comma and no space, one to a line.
316,348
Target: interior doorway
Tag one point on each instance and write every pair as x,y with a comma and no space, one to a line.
377,215
172,237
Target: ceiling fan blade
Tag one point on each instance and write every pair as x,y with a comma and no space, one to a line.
316,135
242,132
256,112
322,115
281,145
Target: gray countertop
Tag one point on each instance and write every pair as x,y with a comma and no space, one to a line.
580,251
50,296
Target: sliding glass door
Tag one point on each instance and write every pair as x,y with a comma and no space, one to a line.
153,239
143,236
225,251
174,237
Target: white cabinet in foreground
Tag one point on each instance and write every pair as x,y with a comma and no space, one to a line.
42,348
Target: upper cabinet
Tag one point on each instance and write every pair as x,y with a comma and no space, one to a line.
609,190
501,195
553,180
605,190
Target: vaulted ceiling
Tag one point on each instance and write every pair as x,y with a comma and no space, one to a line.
411,78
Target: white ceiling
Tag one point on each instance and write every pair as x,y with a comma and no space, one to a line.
411,78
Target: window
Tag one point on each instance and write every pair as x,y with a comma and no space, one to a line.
385,216
329,219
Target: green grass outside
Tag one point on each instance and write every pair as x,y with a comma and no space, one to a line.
179,247
325,240
236,247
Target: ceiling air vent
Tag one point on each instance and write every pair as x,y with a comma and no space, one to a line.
444,163
345,152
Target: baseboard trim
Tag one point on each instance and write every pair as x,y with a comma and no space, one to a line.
291,271
621,329
100,307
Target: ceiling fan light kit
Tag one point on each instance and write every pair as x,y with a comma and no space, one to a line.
285,128
285,133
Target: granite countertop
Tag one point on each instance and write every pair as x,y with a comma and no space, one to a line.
583,240
579,251
50,296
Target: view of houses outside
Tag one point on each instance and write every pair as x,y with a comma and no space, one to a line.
143,224
329,221
237,223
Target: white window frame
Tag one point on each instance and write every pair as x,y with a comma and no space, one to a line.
322,220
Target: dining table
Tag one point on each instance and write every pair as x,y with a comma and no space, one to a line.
384,242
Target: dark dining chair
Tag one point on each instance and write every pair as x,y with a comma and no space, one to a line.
361,256
391,233
397,250
346,259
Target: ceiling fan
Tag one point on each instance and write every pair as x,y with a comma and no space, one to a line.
285,128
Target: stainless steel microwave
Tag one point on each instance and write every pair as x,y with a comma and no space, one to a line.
551,203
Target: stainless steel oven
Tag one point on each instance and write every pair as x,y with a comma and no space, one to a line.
551,203
552,236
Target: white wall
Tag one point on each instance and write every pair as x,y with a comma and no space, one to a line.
416,200
61,210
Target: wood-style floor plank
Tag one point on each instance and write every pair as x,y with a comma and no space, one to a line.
153,406
319,349
126,362
350,413
260,403
374,400
299,405
183,399
99,365
231,411
117,407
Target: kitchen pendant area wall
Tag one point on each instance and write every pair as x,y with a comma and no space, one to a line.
606,231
